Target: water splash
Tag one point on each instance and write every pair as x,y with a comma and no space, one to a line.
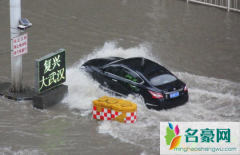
9,150
81,94
210,99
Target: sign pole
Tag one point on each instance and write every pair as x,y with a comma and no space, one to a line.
16,62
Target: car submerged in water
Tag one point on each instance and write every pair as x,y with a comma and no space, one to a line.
156,85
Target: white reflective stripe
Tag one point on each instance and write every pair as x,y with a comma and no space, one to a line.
109,115
128,114
98,116
94,112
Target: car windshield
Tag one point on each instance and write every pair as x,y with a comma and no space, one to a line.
162,79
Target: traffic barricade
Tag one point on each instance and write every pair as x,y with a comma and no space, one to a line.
109,108
125,112
97,107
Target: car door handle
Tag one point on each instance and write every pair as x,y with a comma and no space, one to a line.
114,80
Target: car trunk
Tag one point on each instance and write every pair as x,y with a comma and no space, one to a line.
172,90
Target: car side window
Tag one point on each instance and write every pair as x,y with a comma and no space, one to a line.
113,69
129,75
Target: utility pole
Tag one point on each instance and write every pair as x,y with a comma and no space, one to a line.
16,62
229,5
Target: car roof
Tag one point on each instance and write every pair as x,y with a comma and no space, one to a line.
143,65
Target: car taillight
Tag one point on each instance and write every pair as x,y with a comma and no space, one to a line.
185,88
155,95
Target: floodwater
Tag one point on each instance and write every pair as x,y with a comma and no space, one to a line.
199,44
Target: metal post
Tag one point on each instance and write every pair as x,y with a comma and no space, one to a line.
16,62
228,5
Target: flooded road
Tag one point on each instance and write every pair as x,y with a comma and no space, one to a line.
199,44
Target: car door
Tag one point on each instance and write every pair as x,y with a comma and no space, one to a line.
111,78
130,81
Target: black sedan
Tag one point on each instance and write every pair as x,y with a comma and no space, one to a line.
156,85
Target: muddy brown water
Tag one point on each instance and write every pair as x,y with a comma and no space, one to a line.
199,44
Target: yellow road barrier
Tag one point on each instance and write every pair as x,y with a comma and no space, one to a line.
109,108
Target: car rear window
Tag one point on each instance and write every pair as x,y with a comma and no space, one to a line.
161,77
